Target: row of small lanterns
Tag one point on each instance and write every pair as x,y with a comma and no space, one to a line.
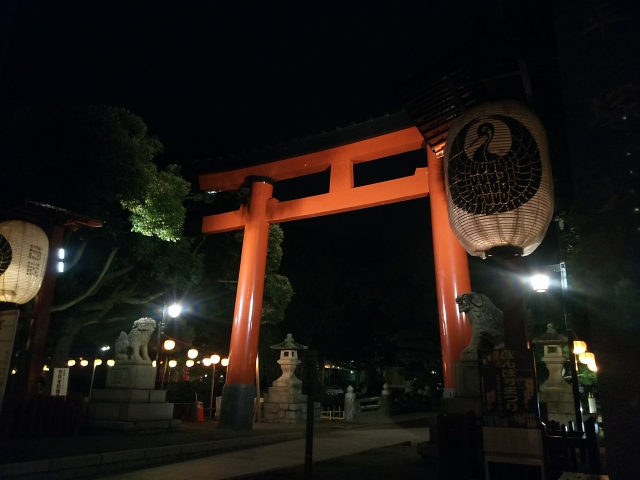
585,357
84,362
192,354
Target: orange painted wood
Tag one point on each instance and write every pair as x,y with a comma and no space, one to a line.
341,176
246,317
383,193
225,222
393,143
452,274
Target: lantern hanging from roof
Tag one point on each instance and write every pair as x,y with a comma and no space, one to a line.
23,260
498,179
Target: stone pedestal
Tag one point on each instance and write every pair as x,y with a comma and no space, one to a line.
282,406
129,402
132,375
467,375
351,410
386,401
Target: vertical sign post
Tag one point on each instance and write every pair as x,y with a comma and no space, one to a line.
8,326
60,382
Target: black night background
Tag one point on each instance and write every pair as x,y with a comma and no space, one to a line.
215,81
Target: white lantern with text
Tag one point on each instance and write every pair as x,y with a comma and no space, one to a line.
23,260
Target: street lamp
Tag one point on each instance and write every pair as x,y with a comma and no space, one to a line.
214,360
71,362
541,284
173,311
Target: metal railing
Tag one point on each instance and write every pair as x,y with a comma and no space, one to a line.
332,413
369,404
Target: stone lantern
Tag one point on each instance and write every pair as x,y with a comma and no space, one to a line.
285,402
555,392
288,362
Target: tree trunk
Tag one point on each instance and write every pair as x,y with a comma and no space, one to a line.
70,328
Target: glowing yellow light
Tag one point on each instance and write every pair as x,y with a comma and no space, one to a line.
111,362
14,371
593,367
215,359
189,363
97,361
71,363
192,353
153,364
84,363
172,363
174,310
540,283
45,368
206,362
587,358
224,362
169,344
579,347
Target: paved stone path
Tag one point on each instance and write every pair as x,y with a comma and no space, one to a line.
340,442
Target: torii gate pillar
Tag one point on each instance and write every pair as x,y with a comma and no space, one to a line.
239,392
452,276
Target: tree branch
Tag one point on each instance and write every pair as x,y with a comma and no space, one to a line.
141,301
92,288
80,250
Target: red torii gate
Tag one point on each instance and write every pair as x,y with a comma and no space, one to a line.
451,265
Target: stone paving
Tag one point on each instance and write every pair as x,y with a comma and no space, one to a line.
343,440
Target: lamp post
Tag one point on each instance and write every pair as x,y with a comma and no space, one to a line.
213,361
168,345
172,364
96,362
540,283
173,311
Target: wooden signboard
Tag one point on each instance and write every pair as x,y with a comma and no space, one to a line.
508,387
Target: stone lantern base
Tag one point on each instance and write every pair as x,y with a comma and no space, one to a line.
283,405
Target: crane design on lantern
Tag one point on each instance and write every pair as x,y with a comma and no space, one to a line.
490,182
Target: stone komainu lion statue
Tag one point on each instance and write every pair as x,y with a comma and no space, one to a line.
134,345
485,320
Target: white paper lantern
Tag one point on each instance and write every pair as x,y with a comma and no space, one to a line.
498,179
23,260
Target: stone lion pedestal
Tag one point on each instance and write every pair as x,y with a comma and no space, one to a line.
285,402
130,402
487,323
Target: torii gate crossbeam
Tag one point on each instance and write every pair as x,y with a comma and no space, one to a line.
452,272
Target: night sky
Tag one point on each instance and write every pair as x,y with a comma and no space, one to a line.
238,74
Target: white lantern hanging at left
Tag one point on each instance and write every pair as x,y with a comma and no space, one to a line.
498,179
23,260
